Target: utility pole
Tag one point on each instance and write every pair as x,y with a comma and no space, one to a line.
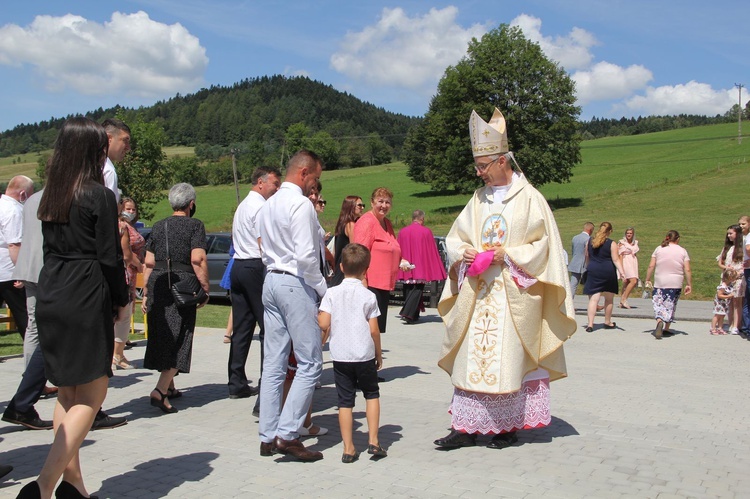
739,114
234,173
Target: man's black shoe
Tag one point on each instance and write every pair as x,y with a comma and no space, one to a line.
29,419
104,422
456,439
248,391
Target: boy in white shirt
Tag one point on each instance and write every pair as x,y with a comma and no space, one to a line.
348,313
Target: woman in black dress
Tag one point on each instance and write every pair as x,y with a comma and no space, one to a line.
351,210
81,292
170,329
603,260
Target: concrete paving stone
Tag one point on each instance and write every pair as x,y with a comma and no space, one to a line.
508,485
691,490
716,486
506,492
633,413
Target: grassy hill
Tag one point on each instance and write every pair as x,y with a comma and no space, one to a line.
691,180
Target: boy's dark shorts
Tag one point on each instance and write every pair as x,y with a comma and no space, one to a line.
352,375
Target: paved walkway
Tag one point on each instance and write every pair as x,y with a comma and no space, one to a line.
636,417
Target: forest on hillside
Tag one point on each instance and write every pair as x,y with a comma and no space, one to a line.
597,128
254,117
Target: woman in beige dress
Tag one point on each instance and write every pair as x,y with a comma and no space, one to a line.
627,247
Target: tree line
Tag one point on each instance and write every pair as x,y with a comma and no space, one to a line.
597,128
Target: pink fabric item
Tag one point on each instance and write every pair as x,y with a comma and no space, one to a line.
418,247
481,263
385,252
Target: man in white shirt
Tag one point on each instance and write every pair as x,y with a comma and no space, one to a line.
292,289
19,189
246,277
119,145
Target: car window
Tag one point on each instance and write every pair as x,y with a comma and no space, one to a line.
219,244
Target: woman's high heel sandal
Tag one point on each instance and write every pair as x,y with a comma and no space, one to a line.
66,490
160,403
30,491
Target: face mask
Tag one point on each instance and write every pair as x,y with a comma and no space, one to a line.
192,211
128,216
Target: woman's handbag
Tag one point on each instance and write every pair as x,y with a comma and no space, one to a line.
188,292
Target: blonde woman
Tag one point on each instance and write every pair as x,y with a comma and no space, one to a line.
603,264
627,247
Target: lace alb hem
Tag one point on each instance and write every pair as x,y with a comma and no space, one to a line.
488,414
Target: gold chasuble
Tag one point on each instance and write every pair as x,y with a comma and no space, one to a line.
505,328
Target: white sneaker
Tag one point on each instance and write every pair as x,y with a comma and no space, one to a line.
734,330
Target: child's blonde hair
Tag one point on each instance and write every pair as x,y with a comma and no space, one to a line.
729,275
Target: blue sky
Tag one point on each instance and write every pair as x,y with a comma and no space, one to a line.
628,58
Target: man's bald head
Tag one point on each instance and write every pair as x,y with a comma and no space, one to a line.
20,188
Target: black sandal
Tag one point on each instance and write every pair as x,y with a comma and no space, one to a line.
376,451
160,403
174,393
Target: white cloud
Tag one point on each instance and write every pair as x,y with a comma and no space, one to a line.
572,51
690,98
594,82
605,81
290,71
399,50
131,54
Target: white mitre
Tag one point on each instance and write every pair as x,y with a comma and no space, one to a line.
488,138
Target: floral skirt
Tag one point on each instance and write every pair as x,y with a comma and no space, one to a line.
665,303
491,414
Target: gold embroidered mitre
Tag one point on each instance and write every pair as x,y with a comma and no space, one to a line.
488,138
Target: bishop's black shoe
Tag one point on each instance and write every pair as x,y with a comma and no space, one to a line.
456,439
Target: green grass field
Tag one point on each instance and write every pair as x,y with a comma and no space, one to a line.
25,164
20,164
690,180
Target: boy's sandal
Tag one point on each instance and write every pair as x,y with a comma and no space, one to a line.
349,458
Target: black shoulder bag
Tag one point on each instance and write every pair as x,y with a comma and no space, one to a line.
188,292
